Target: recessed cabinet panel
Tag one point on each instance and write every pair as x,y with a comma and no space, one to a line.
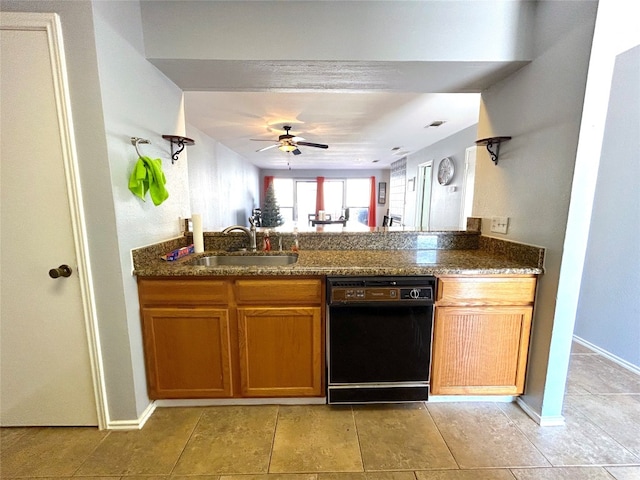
480,350
187,352
280,351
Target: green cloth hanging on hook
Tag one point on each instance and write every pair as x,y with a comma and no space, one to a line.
147,176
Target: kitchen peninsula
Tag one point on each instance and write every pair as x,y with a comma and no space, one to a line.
258,331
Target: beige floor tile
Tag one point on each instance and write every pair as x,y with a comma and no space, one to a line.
562,473
153,450
342,476
578,442
617,415
390,476
42,451
484,474
597,375
315,438
182,477
400,437
481,436
230,440
263,476
87,478
367,476
625,473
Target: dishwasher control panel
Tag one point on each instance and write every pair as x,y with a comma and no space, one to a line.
380,289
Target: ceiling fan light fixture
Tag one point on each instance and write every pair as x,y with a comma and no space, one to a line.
287,148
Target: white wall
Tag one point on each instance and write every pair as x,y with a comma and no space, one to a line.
99,209
445,205
137,101
608,307
540,107
224,186
471,30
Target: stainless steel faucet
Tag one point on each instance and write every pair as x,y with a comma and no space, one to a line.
250,232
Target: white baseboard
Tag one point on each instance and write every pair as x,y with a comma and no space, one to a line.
136,424
608,355
470,398
536,417
212,402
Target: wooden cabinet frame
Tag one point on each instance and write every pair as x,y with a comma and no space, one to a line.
482,327
220,337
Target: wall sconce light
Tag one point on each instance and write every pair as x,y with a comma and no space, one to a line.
492,142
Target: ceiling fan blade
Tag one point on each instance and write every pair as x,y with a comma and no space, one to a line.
317,145
296,152
261,140
267,148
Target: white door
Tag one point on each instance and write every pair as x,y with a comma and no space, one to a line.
46,375
423,210
468,186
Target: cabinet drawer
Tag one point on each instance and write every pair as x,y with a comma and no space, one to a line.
278,291
176,292
486,290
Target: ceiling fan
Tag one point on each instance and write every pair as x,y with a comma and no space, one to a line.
288,142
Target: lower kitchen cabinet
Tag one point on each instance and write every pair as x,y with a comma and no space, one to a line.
481,335
480,350
188,352
280,351
233,337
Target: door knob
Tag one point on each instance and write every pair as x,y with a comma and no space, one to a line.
61,271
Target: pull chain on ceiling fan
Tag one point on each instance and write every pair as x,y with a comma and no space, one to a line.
289,143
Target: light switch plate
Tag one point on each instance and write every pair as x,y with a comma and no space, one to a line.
499,224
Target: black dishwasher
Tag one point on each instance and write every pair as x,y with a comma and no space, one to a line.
379,338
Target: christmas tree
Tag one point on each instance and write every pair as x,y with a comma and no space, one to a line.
270,210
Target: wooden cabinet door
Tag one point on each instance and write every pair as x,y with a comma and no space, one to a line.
187,352
280,351
480,350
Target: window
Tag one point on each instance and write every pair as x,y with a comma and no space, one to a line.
297,198
357,199
305,200
283,188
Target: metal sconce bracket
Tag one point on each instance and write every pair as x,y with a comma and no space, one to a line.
181,142
490,143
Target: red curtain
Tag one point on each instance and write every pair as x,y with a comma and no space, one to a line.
372,203
319,195
268,180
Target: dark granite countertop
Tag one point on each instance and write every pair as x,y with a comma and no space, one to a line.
354,263
376,252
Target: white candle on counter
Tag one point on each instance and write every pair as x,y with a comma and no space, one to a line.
198,237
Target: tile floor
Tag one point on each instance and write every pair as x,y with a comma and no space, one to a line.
444,441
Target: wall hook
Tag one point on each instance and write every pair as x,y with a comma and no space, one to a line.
181,142
490,143
135,141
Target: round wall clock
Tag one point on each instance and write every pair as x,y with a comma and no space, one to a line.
445,171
